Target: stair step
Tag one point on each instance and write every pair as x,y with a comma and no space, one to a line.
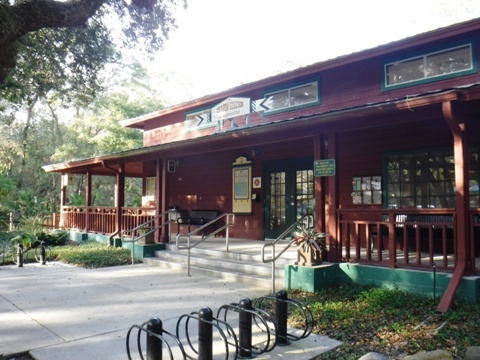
232,266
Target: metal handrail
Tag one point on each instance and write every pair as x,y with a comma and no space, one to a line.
230,221
136,239
281,237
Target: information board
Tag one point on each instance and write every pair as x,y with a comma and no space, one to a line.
325,167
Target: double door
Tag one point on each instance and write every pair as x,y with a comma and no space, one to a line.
289,194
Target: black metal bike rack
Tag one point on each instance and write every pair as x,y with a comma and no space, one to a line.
266,321
279,307
247,317
157,339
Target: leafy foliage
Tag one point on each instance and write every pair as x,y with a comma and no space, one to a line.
92,255
392,322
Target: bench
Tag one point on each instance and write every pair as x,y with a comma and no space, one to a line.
197,218
413,221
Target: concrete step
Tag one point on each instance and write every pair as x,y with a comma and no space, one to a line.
231,266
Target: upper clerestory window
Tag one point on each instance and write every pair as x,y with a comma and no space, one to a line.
294,97
441,63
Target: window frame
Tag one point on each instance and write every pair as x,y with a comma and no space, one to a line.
292,86
424,54
473,198
203,110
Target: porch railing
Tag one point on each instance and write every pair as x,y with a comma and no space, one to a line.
102,219
399,238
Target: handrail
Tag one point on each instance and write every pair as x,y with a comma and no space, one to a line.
281,237
153,229
230,221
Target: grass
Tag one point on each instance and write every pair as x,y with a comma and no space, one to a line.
91,255
394,323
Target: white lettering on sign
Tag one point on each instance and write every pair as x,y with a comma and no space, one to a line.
231,107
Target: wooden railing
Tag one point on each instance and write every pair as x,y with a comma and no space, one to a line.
102,219
399,238
420,239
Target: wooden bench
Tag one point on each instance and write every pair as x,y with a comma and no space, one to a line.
197,218
411,222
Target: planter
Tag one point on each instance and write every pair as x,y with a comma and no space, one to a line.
149,239
308,256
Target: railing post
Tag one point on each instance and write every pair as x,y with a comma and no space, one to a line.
245,328
20,255
281,314
154,344
205,334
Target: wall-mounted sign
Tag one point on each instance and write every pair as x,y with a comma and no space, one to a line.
325,167
230,108
264,104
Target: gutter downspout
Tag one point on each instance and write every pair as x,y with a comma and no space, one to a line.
461,171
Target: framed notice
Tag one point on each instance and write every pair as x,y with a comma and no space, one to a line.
241,177
242,185
367,190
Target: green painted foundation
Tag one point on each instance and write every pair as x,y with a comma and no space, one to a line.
141,250
426,283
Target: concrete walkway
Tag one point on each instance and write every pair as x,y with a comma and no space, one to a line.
59,311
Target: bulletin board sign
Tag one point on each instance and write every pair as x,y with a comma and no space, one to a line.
242,185
325,167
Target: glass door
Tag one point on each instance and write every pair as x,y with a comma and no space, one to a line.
289,194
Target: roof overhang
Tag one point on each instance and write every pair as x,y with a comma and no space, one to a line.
407,109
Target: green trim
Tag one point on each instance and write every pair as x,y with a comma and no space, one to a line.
291,85
198,110
316,278
425,52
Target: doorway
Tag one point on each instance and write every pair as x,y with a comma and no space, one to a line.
289,194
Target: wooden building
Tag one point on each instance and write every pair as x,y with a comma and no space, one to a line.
382,146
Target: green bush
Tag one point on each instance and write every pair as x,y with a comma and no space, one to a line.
54,237
92,255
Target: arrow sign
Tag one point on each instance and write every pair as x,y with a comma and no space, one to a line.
264,104
202,119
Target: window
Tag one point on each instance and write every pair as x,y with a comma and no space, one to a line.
426,180
293,97
435,65
198,120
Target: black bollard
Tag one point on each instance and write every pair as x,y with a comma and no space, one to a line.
20,255
154,344
205,334
43,255
245,328
281,315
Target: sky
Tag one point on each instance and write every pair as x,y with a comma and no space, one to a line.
220,44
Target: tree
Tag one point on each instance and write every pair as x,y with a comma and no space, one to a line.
145,23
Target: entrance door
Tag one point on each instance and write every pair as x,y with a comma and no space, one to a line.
289,194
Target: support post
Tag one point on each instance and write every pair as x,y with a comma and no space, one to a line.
43,255
245,328
205,334
281,315
154,344
20,255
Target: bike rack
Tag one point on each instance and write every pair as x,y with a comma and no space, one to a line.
206,324
261,322
246,315
279,306
156,340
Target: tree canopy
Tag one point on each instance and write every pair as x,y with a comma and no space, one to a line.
70,40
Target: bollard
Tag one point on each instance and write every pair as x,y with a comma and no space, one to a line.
154,344
205,334
245,328
281,315
20,255
43,255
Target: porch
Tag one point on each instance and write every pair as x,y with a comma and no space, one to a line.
409,239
